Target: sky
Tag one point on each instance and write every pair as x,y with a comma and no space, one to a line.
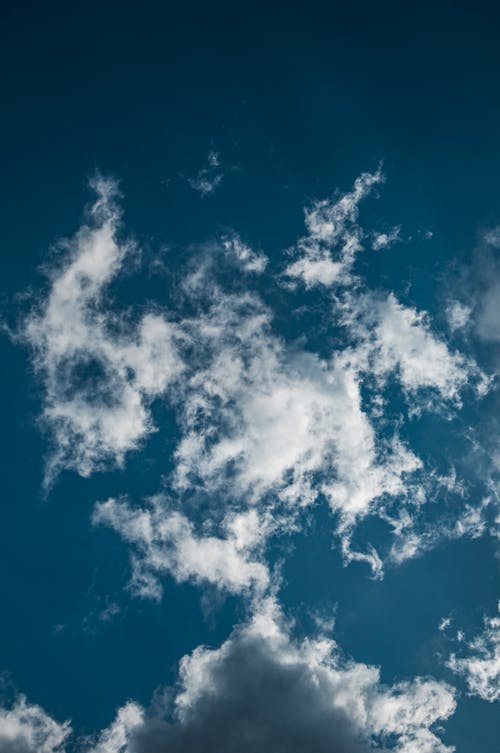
250,346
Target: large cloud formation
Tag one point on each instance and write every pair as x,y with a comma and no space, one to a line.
263,691
267,428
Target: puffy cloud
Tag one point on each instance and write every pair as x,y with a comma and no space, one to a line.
481,667
277,416
27,728
117,737
261,690
327,253
393,339
209,177
100,370
164,542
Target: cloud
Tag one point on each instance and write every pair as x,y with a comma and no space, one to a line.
261,690
480,668
384,240
458,315
248,259
26,728
100,370
266,428
393,339
327,253
209,177
164,542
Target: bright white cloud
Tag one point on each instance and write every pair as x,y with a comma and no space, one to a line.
27,728
326,254
248,259
164,541
100,370
479,662
393,339
116,738
264,425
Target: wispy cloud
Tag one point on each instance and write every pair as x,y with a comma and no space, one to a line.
479,661
164,541
209,178
325,255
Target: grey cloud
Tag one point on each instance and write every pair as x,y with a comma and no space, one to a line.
256,703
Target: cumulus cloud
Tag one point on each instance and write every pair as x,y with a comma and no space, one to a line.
209,177
325,255
100,370
261,690
27,728
479,661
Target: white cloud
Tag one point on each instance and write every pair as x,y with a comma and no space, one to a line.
100,370
384,240
247,258
262,419
27,728
393,339
326,255
468,521
266,427
115,738
481,666
209,177
261,690
458,315
164,541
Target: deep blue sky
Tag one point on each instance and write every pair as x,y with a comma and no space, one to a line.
298,99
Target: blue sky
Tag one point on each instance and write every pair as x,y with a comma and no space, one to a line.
250,346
